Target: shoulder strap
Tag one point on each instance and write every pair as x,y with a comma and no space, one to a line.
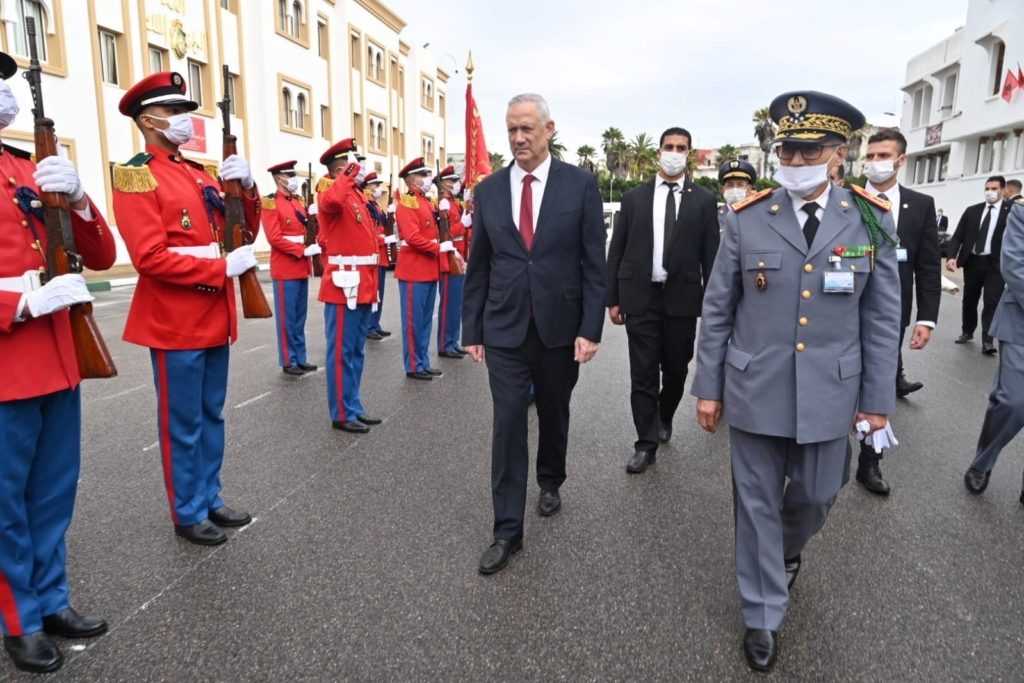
752,199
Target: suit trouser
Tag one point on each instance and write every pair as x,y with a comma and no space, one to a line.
40,454
867,453
346,331
449,311
660,349
375,316
980,275
191,387
774,520
417,304
290,301
1004,417
553,373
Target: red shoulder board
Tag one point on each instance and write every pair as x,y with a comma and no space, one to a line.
870,198
752,199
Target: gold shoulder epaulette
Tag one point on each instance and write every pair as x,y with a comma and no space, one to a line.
409,201
213,170
1019,201
269,204
752,199
870,198
324,183
133,178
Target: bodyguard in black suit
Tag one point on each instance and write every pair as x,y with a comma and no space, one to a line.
660,256
534,300
975,247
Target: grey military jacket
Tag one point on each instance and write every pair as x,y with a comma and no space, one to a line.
1008,322
785,358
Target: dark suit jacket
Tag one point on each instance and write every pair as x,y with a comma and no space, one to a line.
943,222
690,256
919,235
561,279
961,245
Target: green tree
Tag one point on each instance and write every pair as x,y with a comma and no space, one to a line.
585,158
709,184
726,153
613,144
642,156
556,148
497,160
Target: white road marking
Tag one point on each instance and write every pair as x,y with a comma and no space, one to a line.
126,391
253,400
256,348
151,446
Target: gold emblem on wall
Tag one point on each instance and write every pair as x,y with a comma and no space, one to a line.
179,39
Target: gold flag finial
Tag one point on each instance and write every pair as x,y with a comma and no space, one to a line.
469,66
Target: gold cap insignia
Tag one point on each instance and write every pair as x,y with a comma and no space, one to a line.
177,79
734,164
797,105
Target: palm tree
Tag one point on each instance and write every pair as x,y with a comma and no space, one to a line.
726,153
585,155
613,144
556,148
497,160
642,155
764,130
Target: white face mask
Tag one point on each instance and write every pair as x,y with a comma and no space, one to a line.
179,129
425,185
378,192
8,105
803,180
880,171
457,187
734,194
293,184
672,163
992,196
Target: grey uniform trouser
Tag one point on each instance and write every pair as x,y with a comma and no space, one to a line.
1004,417
774,520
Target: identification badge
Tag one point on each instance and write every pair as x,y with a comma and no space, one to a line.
901,255
839,283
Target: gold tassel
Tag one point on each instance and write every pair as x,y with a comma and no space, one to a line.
409,201
134,179
268,203
324,183
213,170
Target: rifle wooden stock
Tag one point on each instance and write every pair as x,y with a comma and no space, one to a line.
444,232
312,226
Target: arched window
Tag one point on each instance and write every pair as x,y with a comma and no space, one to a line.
300,110
380,135
286,100
296,18
997,55
282,14
36,10
379,66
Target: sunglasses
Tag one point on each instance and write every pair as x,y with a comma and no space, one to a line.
810,151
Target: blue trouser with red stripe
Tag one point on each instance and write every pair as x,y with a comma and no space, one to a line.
40,453
190,390
449,311
375,316
290,300
417,302
346,331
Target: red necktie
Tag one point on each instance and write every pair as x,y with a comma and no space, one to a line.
526,212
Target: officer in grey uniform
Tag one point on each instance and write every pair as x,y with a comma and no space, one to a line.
736,178
798,343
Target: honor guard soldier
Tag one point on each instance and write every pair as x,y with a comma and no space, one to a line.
284,222
736,178
349,286
449,311
169,210
373,191
419,268
798,344
40,400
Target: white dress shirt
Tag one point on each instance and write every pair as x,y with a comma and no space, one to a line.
658,272
821,200
892,196
996,208
516,175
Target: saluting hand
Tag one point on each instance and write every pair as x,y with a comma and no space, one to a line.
709,414
585,350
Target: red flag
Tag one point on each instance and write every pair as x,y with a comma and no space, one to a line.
1020,76
478,162
1010,85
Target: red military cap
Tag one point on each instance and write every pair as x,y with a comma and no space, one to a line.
165,87
371,178
448,173
338,150
7,66
285,167
417,165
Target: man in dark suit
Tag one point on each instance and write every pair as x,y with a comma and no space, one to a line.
919,263
975,247
942,220
534,299
659,259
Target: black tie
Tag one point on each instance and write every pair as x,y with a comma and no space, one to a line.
670,222
811,225
983,236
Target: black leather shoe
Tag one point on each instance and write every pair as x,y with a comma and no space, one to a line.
792,569
640,461
988,348
450,354
496,557
422,376
352,426
34,652
761,647
664,432
227,517
307,367
550,503
903,387
375,336
870,477
461,351
1022,497
383,333
976,481
434,372
293,370
367,420
963,339
204,533
70,624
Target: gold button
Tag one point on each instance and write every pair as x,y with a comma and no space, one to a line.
808,268
12,181
852,267
15,201
803,322
760,264
24,223
806,294
800,346
35,245
199,181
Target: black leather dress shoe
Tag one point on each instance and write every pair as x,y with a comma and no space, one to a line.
550,503
988,348
496,557
664,432
454,355
367,420
34,652
293,370
761,647
903,387
976,481
792,569
307,367
228,517
963,339
70,624
640,461
461,351
352,426
384,333
374,335
1022,497
870,477
422,376
204,533
434,372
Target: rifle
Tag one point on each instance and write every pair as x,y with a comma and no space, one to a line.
254,301
444,231
312,227
61,258
389,225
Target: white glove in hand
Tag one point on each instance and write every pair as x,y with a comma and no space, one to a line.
59,293
312,210
313,250
467,220
237,168
56,174
444,205
467,194
880,439
391,207
446,247
390,239
361,176
241,260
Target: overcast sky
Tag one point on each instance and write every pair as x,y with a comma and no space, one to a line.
645,65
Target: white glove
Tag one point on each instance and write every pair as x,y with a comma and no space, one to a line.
467,194
241,260
56,174
446,247
59,293
361,176
237,168
312,210
313,250
880,439
390,239
444,205
467,220
391,207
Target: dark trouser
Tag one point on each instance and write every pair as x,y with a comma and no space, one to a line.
1004,417
980,274
660,349
553,373
867,453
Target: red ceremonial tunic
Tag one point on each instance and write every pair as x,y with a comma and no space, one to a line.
281,223
418,257
37,356
181,302
346,229
379,217
457,230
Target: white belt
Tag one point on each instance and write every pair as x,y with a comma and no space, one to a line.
403,243
26,283
459,239
297,239
210,251
354,260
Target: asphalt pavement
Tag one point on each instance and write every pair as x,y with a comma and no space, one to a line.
361,562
